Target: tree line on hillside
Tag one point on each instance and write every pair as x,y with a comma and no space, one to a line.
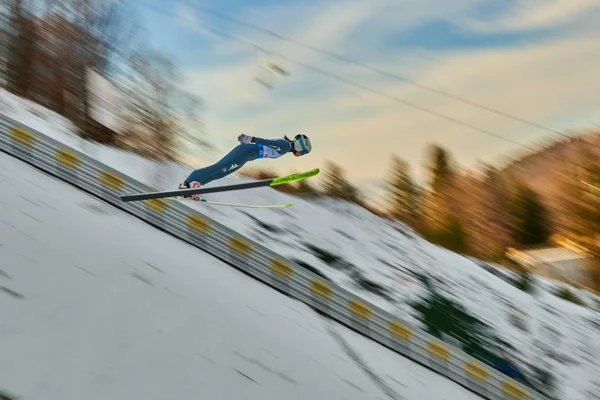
49,48
469,214
482,213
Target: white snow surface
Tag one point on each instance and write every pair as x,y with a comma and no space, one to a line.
382,252
96,304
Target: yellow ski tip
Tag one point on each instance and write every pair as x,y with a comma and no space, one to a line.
294,177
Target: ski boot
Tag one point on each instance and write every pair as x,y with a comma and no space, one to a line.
189,185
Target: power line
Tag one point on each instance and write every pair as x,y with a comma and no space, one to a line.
348,60
398,77
364,87
348,82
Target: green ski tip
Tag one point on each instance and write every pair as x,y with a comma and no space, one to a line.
294,177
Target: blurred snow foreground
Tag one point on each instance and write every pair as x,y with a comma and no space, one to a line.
95,304
554,342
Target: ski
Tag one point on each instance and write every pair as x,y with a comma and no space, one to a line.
236,186
218,203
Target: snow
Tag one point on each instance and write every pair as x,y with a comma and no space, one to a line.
375,250
416,382
96,304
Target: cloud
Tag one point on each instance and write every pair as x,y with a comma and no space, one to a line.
545,84
551,84
186,17
526,15
399,16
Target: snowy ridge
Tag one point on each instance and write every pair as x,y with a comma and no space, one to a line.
87,174
324,236
126,312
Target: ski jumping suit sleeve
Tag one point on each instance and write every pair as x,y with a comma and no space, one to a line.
281,146
240,155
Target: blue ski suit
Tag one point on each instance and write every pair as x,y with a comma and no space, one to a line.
240,155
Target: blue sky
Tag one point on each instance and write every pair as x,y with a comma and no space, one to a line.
536,59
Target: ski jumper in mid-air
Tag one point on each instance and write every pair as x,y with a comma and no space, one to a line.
249,149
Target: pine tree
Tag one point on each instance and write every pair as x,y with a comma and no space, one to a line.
494,224
441,198
440,167
455,236
581,203
531,217
404,203
305,188
21,46
336,185
587,207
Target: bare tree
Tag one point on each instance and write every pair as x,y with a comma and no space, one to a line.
20,45
104,31
5,7
159,104
150,88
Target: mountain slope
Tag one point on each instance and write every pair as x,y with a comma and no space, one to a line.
96,304
387,263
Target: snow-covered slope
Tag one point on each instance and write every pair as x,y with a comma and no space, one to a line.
384,262
95,304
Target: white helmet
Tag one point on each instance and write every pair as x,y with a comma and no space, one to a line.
302,144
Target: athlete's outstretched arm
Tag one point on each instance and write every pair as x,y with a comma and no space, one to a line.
281,145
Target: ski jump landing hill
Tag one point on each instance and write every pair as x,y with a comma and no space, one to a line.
257,261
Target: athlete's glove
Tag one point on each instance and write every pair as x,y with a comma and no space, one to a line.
245,138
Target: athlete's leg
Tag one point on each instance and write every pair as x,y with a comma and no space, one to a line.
232,161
